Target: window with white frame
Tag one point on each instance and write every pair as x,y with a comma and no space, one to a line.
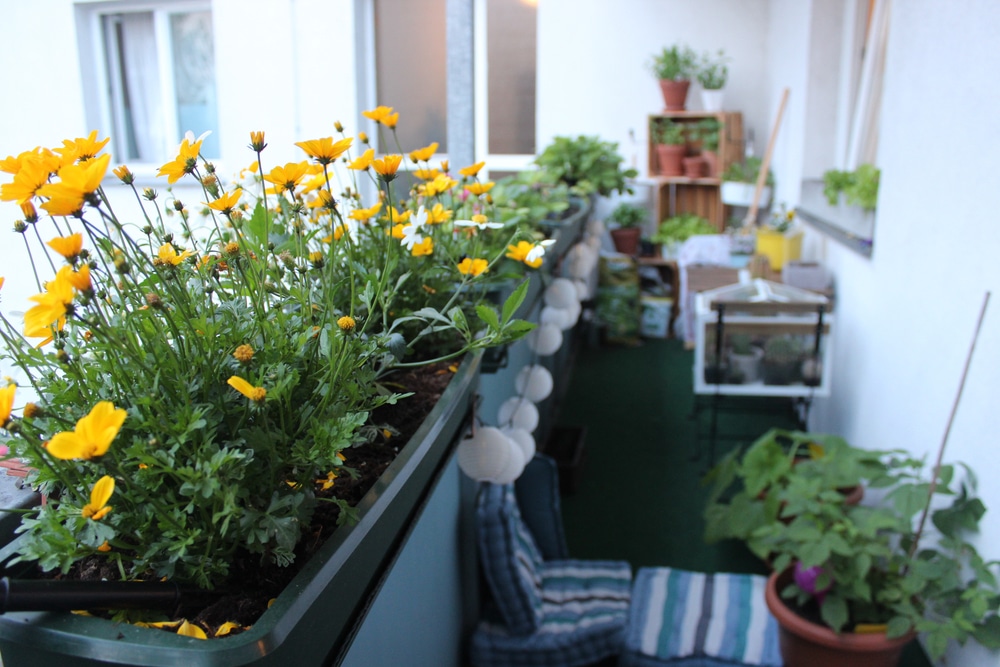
153,70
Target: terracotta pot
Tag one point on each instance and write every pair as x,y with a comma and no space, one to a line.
626,239
806,644
712,160
669,159
674,94
694,167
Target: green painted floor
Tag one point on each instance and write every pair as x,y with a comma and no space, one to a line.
638,495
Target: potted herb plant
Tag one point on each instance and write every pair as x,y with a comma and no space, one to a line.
673,67
712,75
708,132
679,228
782,363
587,165
627,220
854,584
744,357
670,141
739,181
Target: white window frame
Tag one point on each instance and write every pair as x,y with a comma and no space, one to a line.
100,99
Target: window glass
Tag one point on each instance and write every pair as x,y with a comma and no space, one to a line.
410,70
194,77
511,27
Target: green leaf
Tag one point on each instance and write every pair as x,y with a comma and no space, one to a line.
514,301
988,633
897,627
257,226
963,515
488,316
834,612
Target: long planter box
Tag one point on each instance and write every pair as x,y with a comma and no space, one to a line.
313,619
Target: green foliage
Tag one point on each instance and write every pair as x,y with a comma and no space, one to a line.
712,70
707,131
747,172
682,227
677,63
529,198
628,215
294,295
860,187
782,349
669,132
586,165
867,556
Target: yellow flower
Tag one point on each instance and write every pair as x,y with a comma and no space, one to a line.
81,148
387,166
124,174
76,181
473,267
424,154
364,161
98,507
397,231
441,183
426,174
325,150
363,137
479,188
257,141
287,177
67,246
243,354
438,214
472,169
382,114
80,280
395,216
520,253
227,202
167,254
422,248
52,307
92,436
365,214
32,171
346,323
184,163
29,212
255,394
6,403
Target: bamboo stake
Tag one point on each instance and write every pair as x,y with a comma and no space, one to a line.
947,430
766,162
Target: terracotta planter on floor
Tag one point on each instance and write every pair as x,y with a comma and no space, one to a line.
806,644
674,94
669,159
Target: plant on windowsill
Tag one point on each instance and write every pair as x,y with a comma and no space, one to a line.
856,579
859,187
673,67
712,75
587,165
627,220
670,143
213,382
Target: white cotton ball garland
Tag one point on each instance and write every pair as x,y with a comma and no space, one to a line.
515,464
522,439
560,293
484,455
546,339
557,316
518,412
534,383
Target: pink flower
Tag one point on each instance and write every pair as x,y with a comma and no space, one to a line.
805,578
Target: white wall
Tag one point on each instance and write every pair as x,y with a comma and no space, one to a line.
593,56
906,316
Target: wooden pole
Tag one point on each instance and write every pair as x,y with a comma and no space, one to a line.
766,163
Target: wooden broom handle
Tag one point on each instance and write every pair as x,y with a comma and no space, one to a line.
766,162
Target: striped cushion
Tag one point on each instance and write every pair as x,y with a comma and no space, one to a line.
699,620
511,560
585,606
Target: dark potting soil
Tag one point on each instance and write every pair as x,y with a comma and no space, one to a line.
254,583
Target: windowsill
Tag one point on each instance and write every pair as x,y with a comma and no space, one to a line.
851,226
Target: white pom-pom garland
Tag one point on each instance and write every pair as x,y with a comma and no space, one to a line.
524,440
560,293
571,315
515,464
582,289
544,340
556,316
518,412
484,455
534,383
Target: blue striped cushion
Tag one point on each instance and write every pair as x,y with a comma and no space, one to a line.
696,619
510,559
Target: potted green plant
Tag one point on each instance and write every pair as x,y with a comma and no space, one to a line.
856,583
679,228
744,357
859,187
739,180
782,363
746,484
670,141
587,164
673,67
712,75
708,133
627,220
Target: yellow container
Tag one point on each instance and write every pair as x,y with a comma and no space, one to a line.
779,247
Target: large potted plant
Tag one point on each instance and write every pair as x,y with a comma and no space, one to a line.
673,67
199,392
626,220
587,164
856,583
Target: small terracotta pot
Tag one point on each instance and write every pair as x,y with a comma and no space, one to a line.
626,239
712,160
807,644
669,159
694,167
674,94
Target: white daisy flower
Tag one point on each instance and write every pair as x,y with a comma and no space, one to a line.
538,251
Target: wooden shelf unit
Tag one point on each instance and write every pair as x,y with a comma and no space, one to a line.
674,195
